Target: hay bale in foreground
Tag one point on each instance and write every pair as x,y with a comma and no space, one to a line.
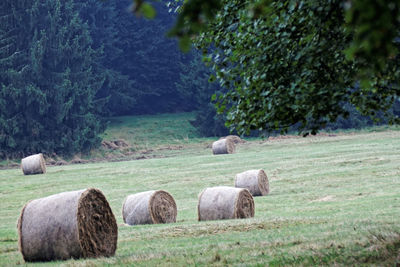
34,164
151,207
224,202
78,224
256,181
223,146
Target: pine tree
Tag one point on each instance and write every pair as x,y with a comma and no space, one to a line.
119,90
14,68
48,85
149,58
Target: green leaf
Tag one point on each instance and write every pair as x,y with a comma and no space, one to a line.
148,11
185,43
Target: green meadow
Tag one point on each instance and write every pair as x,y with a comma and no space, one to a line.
334,200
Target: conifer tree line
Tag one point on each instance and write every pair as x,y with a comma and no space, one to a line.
67,64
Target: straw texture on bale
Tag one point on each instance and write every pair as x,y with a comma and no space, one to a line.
223,146
78,224
224,202
236,139
256,181
151,207
34,164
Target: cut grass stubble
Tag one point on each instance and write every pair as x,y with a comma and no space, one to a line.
333,200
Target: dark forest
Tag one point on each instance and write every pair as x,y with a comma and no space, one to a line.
67,66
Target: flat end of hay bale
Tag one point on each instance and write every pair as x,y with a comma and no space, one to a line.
162,207
97,227
244,206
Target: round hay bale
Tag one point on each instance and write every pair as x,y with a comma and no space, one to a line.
151,207
236,139
224,202
34,164
256,181
223,146
78,224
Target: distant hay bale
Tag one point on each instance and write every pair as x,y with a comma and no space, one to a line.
223,202
151,207
256,181
236,139
223,146
78,224
34,164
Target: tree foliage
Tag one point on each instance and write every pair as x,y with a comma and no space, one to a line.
48,86
150,59
295,62
119,91
65,63
195,93
286,65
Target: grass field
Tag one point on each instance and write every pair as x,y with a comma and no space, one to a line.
335,200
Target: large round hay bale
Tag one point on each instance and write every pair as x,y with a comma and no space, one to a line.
256,181
76,224
223,202
223,146
151,207
34,164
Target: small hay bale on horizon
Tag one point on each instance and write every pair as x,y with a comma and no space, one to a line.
256,181
225,202
77,224
150,207
223,146
235,138
34,164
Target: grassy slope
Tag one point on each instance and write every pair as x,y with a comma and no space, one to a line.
148,131
333,200
163,135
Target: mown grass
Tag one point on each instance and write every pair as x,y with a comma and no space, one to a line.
334,201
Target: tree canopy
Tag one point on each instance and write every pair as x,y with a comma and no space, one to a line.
48,85
66,65
296,63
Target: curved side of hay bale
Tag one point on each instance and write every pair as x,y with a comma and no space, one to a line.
151,207
256,181
223,146
34,164
224,202
67,225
